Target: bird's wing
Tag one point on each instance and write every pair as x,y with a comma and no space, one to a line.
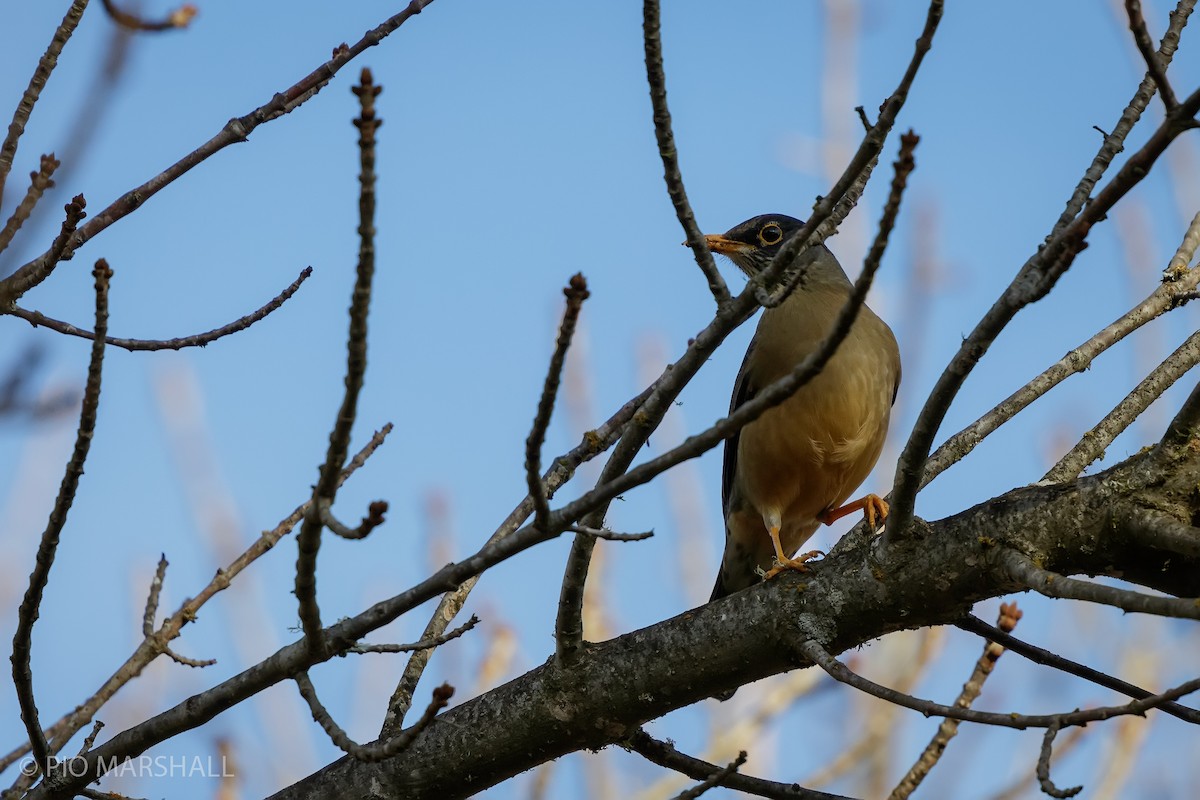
743,391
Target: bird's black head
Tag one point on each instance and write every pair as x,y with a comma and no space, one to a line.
752,244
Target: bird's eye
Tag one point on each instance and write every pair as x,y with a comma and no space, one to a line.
770,234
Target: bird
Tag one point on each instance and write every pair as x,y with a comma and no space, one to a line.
793,468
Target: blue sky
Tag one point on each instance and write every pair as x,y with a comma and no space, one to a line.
517,149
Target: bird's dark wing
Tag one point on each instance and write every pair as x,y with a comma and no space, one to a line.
743,391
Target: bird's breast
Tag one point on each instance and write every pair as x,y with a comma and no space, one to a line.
809,453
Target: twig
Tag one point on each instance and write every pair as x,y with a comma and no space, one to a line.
90,739
380,750
424,644
665,755
1022,570
36,318
576,292
236,130
21,281
1043,768
156,586
66,727
1154,68
562,470
814,652
713,780
1009,616
308,541
41,74
1047,658
1040,273
611,536
1093,443
373,520
1166,296
151,611
179,18
48,546
652,36
39,182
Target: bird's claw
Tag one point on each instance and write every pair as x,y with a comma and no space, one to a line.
799,564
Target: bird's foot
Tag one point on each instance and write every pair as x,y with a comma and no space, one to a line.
872,505
799,564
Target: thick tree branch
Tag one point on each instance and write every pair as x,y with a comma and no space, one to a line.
615,686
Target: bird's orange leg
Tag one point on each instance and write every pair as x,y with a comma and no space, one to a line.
782,562
871,505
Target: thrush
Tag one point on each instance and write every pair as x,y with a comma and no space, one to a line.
794,467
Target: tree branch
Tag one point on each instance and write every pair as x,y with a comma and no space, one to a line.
48,546
36,318
652,37
41,74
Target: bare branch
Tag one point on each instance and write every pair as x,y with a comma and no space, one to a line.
1093,443
156,586
611,536
424,644
576,292
36,318
373,520
652,36
817,654
380,750
21,281
1039,655
41,74
39,182
1154,68
1043,768
665,755
1022,570
48,546
714,779
308,541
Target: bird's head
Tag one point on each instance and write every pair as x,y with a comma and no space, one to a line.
752,244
